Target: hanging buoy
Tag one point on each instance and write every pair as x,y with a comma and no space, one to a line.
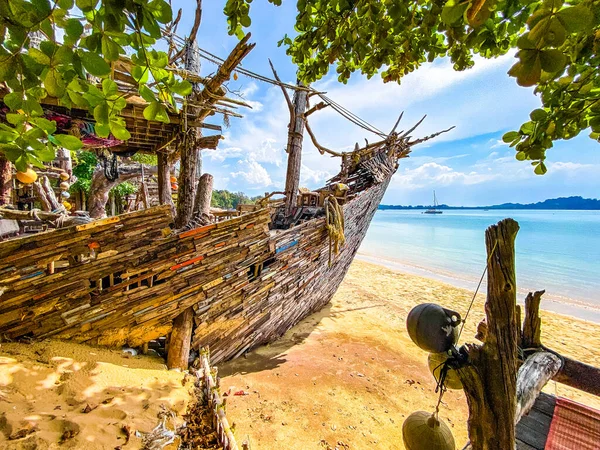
423,431
436,363
173,179
27,177
67,205
65,194
432,327
65,186
64,176
174,186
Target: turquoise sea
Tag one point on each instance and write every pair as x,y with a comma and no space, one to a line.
558,251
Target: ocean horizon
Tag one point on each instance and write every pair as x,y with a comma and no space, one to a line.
556,250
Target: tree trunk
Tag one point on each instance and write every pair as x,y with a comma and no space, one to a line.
180,341
294,148
165,196
101,186
187,181
532,323
65,163
203,195
6,181
490,382
45,194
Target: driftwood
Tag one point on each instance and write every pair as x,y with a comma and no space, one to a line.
490,382
59,219
533,375
179,343
45,194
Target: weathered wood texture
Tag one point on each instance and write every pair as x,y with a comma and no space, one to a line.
165,195
490,383
532,429
532,324
533,375
203,195
294,149
180,340
123,280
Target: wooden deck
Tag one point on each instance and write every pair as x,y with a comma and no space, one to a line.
532,429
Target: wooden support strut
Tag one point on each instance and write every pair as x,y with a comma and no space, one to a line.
295,134
180,341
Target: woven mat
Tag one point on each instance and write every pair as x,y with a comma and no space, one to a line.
574,427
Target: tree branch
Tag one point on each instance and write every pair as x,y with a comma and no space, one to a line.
285,94
313,138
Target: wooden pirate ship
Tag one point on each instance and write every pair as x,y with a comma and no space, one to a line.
228,281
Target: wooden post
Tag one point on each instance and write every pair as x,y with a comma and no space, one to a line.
180,341
490,382
165,196
203,195
6,181
294,149
532,324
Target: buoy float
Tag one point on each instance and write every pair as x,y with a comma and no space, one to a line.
433,328
65,186
67,205
174,186
173,179
65,194
64,176
424,431
435,362
27,177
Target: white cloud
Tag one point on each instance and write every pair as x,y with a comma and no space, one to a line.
436,175
253,173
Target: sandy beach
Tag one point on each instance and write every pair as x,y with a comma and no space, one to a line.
62,395
345,377
348,376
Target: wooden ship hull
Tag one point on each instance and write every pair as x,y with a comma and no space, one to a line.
124,279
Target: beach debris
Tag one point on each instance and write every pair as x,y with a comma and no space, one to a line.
158,438
127,351
20,434
88,408
108,400
70,430
126,429
241,392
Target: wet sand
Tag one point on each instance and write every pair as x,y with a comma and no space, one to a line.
347,376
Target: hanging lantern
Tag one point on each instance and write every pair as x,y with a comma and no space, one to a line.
65,194
64,176
27,177
424,431
173,179
436,363
65,186
432,327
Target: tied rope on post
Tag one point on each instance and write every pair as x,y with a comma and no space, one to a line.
334,221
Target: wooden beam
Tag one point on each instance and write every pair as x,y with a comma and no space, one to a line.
180,341
578,375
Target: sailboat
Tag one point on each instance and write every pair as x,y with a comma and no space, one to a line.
433,210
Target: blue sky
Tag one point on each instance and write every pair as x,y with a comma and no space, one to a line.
467,166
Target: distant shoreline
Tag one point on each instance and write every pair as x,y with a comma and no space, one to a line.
561,305
562,203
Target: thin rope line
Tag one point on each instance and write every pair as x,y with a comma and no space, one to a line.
477,290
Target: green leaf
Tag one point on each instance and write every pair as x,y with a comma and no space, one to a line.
552,60
86,5
182,88
521,156
54,84
47,154
110,49
156,111
140,74
11,151
14,100
109,87
102,130
67,141
161,10
527,72
21,163
538,115
119,131
147,94
39,56
527,128
73,29
34,161
453,11
94,64
540,169
510,136
47,125
15,119
101,113
576,18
